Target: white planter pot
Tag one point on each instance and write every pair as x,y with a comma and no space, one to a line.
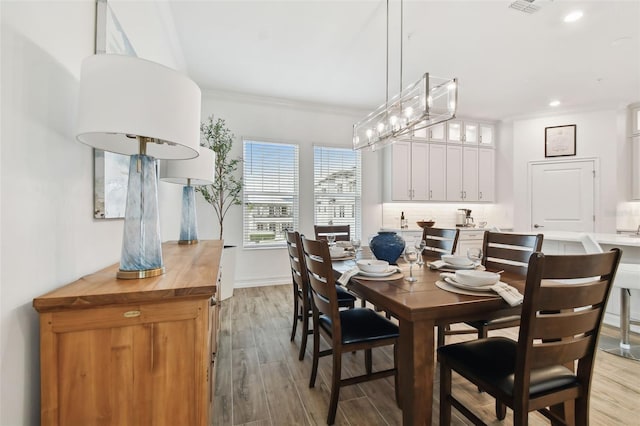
227,272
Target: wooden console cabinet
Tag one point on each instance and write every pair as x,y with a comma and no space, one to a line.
132,352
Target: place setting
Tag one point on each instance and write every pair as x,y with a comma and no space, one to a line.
343,250
479,283
371,269
453,263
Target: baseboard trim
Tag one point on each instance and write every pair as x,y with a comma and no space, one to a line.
263,282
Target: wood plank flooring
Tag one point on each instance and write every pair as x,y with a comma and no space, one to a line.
259,380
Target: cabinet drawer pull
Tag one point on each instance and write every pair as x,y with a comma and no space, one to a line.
131,314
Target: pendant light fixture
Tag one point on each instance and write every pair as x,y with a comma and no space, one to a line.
424,103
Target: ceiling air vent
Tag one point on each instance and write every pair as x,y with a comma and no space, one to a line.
525,6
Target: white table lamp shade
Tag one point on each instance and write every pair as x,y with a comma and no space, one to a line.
199,170
125,96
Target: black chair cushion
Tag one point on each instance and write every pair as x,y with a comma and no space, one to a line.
344,297
362,325
493,360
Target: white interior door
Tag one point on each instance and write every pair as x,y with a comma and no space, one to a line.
562,196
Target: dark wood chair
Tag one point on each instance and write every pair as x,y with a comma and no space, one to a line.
301,294
345,331
559,328
500,251
440,241
342,232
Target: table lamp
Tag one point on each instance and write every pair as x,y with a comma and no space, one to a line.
197,171
140,108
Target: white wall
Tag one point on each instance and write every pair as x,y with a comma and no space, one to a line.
280,121
598,135
49,236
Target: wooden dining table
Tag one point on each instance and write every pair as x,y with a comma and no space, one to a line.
419,307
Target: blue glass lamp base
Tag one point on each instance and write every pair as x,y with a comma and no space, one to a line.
141,255
188,222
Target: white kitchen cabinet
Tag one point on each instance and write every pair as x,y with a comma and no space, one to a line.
436,133
462,173
635,119
462,132
486,134
635,168
437,172
409,171
469,239
486,174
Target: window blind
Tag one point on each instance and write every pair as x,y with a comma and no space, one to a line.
337,187
270,194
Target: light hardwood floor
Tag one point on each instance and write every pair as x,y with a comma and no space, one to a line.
259,380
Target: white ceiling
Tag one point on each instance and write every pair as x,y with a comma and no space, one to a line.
508,63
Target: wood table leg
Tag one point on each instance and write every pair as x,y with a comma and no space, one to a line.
416,371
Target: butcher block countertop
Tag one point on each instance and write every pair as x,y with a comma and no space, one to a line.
191,271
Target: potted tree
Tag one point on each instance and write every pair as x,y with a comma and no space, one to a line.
225,190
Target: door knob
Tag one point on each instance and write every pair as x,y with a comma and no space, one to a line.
538,226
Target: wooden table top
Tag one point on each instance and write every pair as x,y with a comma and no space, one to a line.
191,271
424,300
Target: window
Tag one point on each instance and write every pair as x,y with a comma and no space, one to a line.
336,187
270,192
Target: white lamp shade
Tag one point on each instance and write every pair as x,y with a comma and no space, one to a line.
199,170
124,96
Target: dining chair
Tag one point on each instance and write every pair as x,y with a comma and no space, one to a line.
559,329
302,310
345,331
440,241
342,232
500,251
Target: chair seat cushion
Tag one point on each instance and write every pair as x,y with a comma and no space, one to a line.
362,325
344,297
493,360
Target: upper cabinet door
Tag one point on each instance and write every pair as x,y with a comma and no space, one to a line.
470,133
486,136
437,133
401,171
635,120
437,172
454,131
419,171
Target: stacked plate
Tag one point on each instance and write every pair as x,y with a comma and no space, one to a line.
472,280
375,268
457,262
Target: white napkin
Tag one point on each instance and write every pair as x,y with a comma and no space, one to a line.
437,264
346,276
510,294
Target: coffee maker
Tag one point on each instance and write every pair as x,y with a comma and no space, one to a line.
463,218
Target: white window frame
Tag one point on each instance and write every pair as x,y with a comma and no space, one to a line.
251,193
330,157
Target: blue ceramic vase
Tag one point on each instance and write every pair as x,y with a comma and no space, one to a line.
387,246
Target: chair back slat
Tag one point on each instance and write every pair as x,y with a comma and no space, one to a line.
561,352
322,281
342,232
560,321
558,296
440,241
559,325
510,252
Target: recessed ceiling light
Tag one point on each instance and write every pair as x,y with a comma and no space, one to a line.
573,16
554,103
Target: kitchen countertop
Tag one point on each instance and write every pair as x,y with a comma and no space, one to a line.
416,229
628,240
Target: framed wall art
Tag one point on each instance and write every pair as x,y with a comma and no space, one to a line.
560,141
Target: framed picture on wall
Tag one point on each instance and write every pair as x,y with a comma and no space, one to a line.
560,141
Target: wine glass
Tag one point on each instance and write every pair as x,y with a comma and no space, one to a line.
355,243
474,254
331,239
420,245
411,257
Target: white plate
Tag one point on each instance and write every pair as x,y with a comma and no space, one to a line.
346,256
475,278
452,266
392,270
456,260
467,287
